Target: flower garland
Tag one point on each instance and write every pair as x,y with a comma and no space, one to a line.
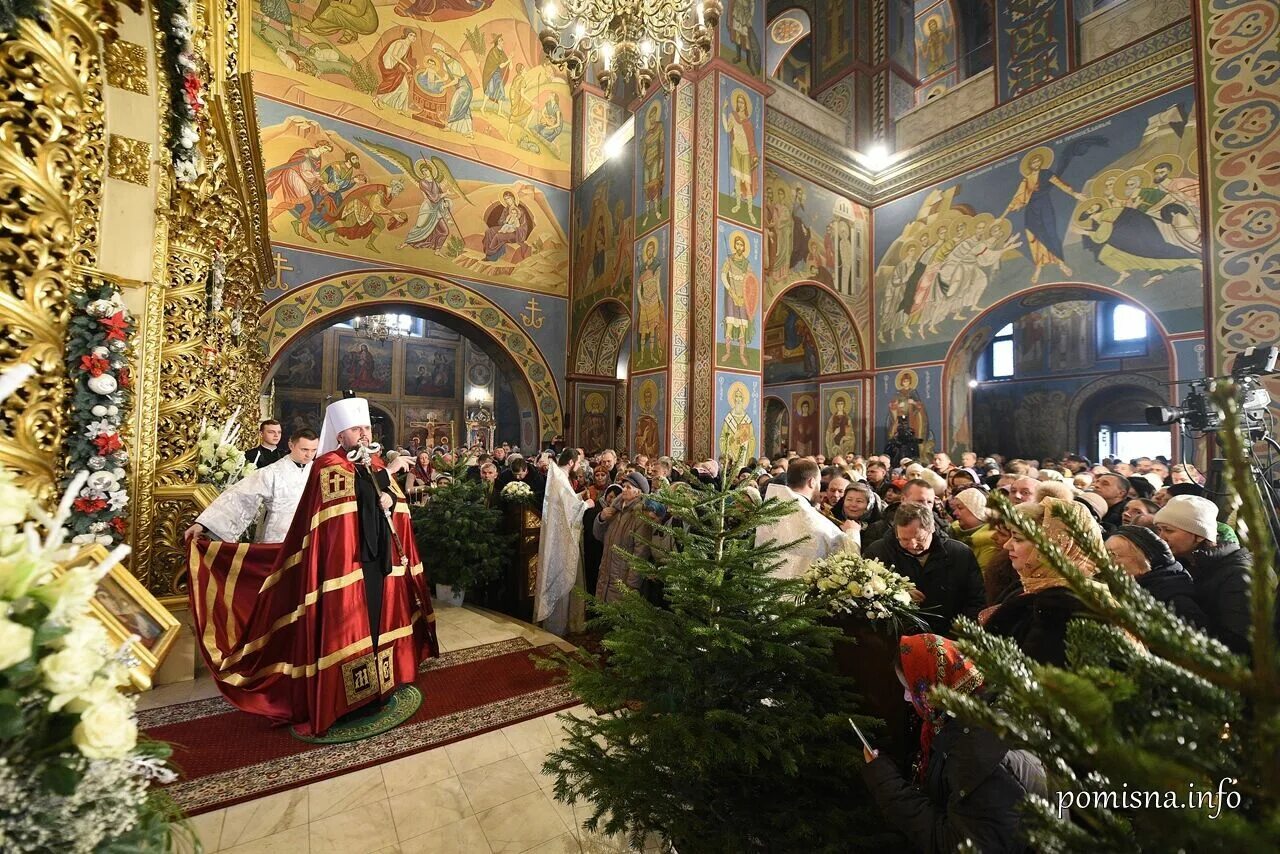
98,366
219,461
186,90
73,774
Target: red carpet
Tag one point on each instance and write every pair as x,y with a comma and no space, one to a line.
227,756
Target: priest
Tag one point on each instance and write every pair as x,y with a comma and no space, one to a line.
278,487
560,549
335,618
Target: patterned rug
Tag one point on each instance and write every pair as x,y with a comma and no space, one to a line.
226,756
399,707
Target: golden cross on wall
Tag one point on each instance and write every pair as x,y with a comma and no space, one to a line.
532,320
282,265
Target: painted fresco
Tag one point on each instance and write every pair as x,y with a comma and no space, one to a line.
804,420
1115,204
737,420
741,146
595,404
357,193
466,77
790,352
302,365
740,27
649,414
603,231
364,365
912,394
1031,44
649,347
784,32
810,233
777,426
902,27
738,324
935,37
653,166
937,86
296,414
834,24
430,371
842,419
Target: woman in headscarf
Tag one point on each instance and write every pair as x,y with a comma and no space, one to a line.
1036,620
419,478
969,783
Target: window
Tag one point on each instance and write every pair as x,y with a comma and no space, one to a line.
1128,323
1123,331
1002,353
1131,443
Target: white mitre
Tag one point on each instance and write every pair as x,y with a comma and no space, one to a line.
342,415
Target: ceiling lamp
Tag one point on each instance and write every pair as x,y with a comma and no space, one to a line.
628,38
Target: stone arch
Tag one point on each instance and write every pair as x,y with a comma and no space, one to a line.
1158,391
835,331
602,349
323,301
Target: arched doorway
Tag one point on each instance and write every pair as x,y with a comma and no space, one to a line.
1024,378
777,426
331,301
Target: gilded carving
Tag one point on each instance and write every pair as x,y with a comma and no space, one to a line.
129,159
127,66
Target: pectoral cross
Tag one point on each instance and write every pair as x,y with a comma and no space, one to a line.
532,320
282,265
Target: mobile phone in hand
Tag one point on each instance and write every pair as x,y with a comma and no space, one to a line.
862,738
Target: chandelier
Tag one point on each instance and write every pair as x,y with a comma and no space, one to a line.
628,38
379,327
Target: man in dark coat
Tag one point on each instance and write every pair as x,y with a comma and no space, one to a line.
945,572
1142,554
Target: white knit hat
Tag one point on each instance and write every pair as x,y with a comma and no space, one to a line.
974,500
1154,479
1192,514
342,415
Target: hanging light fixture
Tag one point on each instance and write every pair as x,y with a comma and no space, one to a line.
628,38
379,327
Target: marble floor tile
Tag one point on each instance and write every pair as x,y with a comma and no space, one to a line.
460,837
166,695
521,824
339,794
529,735
419,769
533,760
207,827
362,830
497,783
479,750
295,840
565,843
264,817
426,808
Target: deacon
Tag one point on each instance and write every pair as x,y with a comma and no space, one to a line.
336,617
268,450
278,487
560,550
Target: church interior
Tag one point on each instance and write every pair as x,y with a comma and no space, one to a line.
709,241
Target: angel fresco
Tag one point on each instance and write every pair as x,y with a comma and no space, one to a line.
431,228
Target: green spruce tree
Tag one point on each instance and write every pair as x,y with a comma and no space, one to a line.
1148,707
723,725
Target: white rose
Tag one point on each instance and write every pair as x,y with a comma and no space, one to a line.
223,452
202,470
113,410
14,502
102,384
902,597
99,411
68,672
85,633
106,730
15,643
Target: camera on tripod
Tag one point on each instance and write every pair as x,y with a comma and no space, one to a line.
1198,414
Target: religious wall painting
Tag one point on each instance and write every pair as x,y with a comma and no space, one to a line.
1030,343
937,87
653,167
649,414
1116,204
906,397
295,413
741,146
777,427
427,427
737,417
811,234
466,77
741,24
350,191
364,365
738,322
804,423
902,33
1031,44
649,346
842,419
1071,334
302,365
595,411
790,352
603,236
786,59
430,370
935,37
834,25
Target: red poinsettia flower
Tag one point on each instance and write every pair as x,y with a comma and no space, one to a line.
115,325
119,525
191,86
108,443
125,381
89,505
95,365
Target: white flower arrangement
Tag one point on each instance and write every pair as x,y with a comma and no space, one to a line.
219,461
517,492
864,587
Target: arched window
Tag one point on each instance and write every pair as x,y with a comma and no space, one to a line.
1000,356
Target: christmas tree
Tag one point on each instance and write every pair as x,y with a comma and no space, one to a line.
1157,737
723,725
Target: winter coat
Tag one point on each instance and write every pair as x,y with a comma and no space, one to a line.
1037,623
1221,575
997,571
629,530
972,790
950,579
1173,587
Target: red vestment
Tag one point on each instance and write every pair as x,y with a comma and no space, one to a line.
284,627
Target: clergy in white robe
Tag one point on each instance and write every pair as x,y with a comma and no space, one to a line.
560,550
818,536
277,487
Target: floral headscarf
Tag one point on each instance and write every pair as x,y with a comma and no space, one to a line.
1049,515
927,661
